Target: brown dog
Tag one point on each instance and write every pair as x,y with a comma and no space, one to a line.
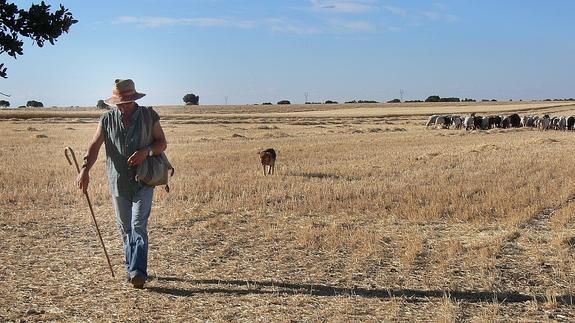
268,158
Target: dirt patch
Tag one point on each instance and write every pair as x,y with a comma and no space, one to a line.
485,147
547,141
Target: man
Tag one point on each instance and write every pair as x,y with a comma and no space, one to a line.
121,129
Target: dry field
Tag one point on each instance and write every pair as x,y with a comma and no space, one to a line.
369,217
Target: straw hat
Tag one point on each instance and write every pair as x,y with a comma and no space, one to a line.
124,91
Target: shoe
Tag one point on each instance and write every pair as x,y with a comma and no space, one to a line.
138,281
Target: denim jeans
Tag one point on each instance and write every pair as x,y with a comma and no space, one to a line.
132,220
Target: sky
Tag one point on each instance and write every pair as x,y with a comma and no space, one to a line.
254,51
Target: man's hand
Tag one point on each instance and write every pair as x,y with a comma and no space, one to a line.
138,157
83,180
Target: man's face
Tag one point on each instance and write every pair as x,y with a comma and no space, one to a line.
126,105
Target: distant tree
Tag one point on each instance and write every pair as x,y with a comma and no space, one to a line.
436,98
433,98
449,100
362,101
34,104
36,23
284,102
394,101
4,104
330,102
493,100
191,99
102,105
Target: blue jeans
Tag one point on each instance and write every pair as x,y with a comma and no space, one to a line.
132,220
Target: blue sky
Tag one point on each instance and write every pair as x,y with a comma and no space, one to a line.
257,51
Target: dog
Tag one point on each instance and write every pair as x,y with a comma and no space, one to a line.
268,158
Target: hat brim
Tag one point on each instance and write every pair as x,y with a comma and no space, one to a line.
115,100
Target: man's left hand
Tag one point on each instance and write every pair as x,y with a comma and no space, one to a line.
138,157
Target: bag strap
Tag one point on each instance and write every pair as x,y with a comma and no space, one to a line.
149,126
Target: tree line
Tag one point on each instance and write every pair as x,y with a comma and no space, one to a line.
192,99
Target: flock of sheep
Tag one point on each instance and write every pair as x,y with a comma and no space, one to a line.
475,122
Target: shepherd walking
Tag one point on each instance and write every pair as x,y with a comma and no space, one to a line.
123,131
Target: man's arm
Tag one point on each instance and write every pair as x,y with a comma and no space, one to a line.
84,176
158,146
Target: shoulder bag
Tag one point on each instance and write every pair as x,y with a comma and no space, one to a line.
154,170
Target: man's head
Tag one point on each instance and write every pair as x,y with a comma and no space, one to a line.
124,91
126,105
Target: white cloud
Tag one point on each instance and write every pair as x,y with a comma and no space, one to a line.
439,16
344,6
352,26
153,22
439,13
380,16
395,10
440,6
273,24
287,26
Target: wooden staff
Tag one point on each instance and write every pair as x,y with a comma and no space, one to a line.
89,204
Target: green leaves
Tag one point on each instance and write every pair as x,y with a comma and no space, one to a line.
36,23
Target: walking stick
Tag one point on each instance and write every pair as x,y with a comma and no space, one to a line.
89,204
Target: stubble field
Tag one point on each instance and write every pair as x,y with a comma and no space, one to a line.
370,216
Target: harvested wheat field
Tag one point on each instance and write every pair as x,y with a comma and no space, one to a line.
369,216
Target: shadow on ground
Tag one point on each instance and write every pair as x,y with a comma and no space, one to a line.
324,176
410,295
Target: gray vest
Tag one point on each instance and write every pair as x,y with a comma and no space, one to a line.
120,144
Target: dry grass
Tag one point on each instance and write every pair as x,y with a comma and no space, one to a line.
370,216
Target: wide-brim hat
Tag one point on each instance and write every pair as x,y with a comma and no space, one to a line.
124,92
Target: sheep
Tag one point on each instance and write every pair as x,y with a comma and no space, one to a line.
495,122
570,122
562,123
457,122
515,120
468,122
431,120
544,123
486,123
268,158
